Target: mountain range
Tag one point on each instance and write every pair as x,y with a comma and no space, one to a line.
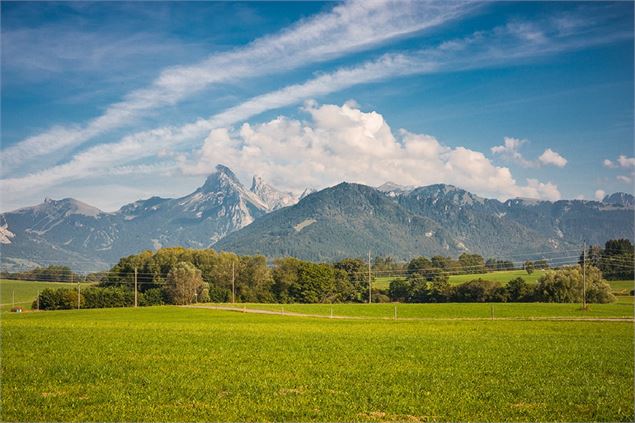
346,220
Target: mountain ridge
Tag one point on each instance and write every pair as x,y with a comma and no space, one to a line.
343,220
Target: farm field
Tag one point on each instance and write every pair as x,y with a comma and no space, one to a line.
25,291
183,364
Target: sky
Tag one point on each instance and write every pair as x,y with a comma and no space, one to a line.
111,102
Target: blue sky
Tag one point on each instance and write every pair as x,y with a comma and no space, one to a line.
110,102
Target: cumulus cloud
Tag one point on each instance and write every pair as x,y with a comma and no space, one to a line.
550,157
609,164
626,164
600,194
510,151
344,143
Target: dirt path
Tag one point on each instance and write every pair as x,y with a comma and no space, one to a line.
322,316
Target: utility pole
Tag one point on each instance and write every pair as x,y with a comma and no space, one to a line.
233,285
38,300
135,287
79,291
584,276
370,287
13,298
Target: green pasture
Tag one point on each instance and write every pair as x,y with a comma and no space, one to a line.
181,364
25,292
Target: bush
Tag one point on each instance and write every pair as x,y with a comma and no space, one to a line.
58,299
479,291
108,297
152,297
219,295
381,298
519,291
398,290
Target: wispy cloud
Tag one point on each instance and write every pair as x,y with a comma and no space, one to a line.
347,27
501,46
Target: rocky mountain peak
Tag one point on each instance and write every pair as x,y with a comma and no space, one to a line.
273,198
222,179
620,199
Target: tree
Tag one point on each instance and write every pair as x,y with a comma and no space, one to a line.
479,291
183,283
618,259
399,290
529,267
472,263
518,290
357,272
541,264
566,286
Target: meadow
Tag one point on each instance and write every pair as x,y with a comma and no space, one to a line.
182,364
25,292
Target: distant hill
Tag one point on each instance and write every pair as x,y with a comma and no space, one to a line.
343,221
349,219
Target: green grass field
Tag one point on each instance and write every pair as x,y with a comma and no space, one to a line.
25,292
177,364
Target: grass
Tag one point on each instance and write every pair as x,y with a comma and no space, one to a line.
25,292
622,287
175,364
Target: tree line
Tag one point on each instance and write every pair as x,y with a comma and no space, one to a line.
565,285
184,276
615,261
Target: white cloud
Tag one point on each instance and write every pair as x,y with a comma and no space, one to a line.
347,27
626,162
510,151
550,157
623,162
343,143
600,194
